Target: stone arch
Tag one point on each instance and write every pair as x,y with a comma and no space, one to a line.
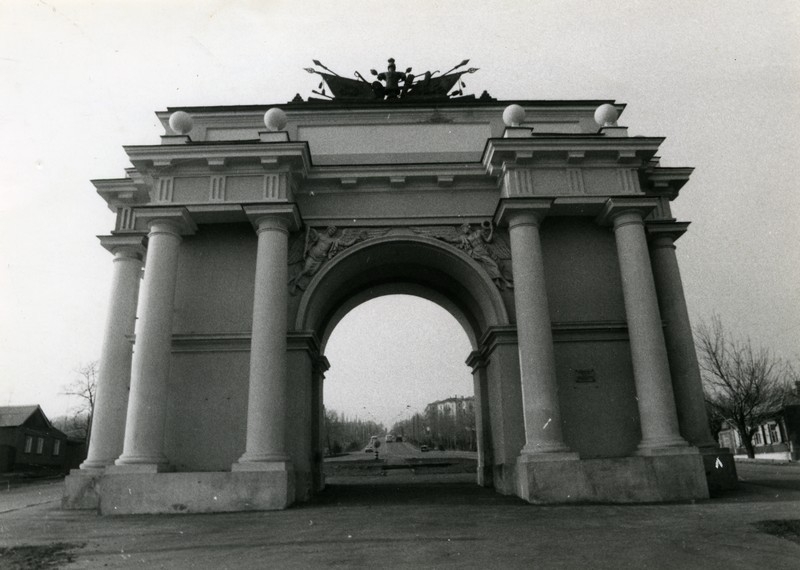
411,264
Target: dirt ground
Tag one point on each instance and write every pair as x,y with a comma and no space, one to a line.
405,521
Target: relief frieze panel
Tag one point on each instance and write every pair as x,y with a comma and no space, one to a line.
482,243
310,250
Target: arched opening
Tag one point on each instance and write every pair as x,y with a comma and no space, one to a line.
398,374
377,309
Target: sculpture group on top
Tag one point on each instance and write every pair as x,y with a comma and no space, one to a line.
392,84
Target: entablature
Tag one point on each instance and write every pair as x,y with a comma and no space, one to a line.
394,176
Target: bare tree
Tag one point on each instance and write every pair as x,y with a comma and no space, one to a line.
84,387
744,385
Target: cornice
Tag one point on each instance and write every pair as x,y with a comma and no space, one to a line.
568,150
136,245
665,181
121,192
217,156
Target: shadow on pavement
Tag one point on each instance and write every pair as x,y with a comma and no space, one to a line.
359,494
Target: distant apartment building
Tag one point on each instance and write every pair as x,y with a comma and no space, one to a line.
452,405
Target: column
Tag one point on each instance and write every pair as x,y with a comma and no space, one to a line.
144,432
266,408
537,363
656,402
111,403
686,381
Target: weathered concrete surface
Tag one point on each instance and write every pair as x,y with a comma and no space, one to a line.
455,525
642,479
158,493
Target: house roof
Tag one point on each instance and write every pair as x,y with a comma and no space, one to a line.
13,416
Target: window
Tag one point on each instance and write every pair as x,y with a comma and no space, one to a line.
39,445
28,443
757,438
774,433
56,447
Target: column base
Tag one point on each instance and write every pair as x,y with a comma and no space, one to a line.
658,451
93,466
273,465
139,468
528,457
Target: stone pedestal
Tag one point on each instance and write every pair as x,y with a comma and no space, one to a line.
638,479
82,489
175,493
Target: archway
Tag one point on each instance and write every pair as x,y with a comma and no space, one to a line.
423,267
398,397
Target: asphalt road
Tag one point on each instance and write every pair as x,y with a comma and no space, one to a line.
442,523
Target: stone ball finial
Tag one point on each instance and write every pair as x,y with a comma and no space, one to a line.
181,122
513,115
606,115
275,119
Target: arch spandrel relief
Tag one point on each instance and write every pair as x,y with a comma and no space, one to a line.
482,243
310,250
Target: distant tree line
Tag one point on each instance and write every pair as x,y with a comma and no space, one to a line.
441,427
348,434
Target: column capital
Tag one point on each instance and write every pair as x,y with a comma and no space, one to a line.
664,233
178,218
476,360
133,246
276,216
513,212
616,207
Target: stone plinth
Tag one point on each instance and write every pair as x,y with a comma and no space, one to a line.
82,489
638,479
161,493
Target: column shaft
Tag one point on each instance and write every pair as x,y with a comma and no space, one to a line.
537,362
144,433
266,407
111,404
686,381
655,398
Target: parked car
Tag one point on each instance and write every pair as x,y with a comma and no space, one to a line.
423,448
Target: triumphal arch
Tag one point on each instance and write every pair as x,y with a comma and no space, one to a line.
243,238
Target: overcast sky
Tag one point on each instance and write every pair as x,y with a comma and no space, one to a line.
79,79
